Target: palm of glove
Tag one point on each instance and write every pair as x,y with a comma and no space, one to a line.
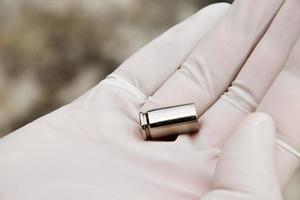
72,154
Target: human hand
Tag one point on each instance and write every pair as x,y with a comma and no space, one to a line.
93,148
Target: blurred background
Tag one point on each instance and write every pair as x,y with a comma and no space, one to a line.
53,51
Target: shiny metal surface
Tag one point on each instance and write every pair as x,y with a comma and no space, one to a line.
175,120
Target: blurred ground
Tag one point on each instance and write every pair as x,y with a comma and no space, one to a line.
53,51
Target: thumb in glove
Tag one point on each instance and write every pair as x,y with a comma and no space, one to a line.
246,168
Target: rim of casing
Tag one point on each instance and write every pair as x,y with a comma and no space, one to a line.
144,125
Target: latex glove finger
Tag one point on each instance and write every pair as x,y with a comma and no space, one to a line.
246,167
148,68
219,56
254,80
282,103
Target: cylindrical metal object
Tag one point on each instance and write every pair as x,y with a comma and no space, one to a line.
168,121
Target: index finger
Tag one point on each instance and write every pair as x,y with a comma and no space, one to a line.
148,68
220,55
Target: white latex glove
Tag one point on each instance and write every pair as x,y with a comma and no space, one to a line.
246,167
93,148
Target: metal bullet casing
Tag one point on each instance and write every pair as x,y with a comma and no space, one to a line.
175,120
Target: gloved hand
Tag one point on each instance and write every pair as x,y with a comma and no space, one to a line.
246,167
92,148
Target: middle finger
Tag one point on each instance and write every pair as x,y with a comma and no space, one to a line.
253,81
218,57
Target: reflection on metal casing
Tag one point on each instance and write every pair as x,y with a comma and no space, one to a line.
175,120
